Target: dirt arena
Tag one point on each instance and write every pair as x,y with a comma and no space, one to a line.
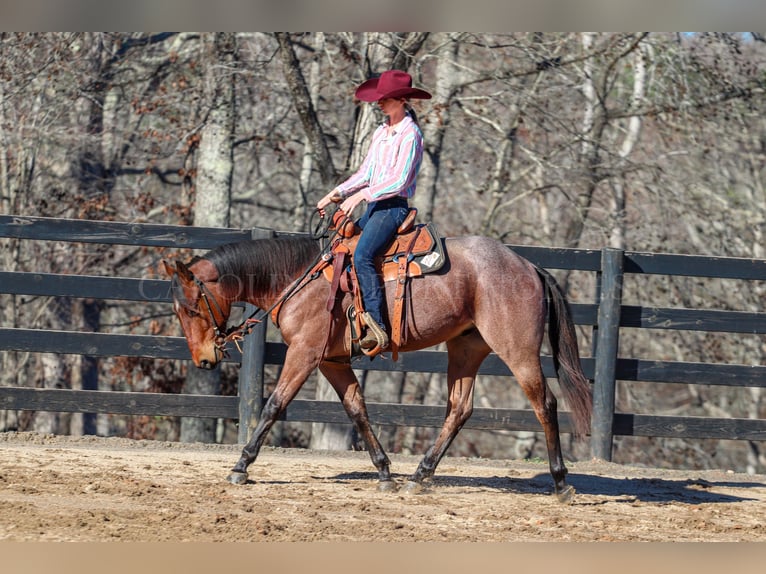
97,489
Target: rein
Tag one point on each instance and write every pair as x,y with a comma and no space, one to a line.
238,333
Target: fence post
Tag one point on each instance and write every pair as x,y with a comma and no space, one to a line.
607,345
251,378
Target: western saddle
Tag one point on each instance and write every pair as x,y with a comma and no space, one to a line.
416,249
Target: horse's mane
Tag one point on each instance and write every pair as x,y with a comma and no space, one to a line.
263,265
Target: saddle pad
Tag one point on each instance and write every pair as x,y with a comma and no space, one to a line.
433,259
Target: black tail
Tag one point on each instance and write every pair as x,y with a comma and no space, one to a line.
566,355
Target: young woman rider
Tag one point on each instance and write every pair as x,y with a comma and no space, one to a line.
386,181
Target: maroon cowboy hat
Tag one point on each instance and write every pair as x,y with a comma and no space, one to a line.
390,84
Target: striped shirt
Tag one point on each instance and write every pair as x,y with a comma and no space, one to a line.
392,163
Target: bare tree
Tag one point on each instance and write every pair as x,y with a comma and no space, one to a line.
446,84
213,190
304,96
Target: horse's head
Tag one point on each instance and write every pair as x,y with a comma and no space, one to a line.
202,309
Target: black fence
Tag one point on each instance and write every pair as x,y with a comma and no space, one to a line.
607,316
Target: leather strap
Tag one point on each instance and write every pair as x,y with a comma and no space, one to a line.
339,252
310,276
339,260
398,320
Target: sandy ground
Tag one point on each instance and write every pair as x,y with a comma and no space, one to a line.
111,489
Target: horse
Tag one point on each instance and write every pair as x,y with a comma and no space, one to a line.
485,298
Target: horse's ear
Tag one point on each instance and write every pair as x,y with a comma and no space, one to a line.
183,272
170,269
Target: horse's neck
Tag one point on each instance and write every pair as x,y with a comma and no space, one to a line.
244,289
268,299
205,271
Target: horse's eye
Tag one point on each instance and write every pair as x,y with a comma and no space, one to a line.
193,313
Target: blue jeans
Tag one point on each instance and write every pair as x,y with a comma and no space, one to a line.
379,224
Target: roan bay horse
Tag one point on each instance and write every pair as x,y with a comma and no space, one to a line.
485,298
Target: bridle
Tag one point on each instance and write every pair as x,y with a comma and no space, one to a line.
219,340
238,333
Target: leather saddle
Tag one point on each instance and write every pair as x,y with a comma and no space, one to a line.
419,243
415,250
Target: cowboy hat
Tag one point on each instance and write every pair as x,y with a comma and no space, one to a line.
390,84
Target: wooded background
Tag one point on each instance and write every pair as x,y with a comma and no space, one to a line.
641,141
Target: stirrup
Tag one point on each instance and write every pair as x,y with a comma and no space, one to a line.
375,338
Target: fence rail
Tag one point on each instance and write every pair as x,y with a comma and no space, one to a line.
607,316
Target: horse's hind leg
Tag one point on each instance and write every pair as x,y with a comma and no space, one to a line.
345,383
465,355
529,375
519,348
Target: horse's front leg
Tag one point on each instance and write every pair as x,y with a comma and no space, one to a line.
294,373
345,383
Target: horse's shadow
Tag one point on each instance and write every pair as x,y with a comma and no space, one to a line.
627,490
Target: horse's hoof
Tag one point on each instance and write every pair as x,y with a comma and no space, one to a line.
387,486
237,477
412,487
566,495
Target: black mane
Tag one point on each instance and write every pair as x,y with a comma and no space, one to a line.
264,265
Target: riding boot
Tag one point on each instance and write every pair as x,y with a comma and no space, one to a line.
375,335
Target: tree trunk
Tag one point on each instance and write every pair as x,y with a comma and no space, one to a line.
592,125
447,80
10,185
213,194
304,96
367,118
55,372
95,182
305,106
633,131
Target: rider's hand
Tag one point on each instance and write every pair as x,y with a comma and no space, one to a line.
333,197
350,203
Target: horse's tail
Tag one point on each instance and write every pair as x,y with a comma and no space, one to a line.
566,355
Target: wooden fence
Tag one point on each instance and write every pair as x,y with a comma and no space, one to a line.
606,316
